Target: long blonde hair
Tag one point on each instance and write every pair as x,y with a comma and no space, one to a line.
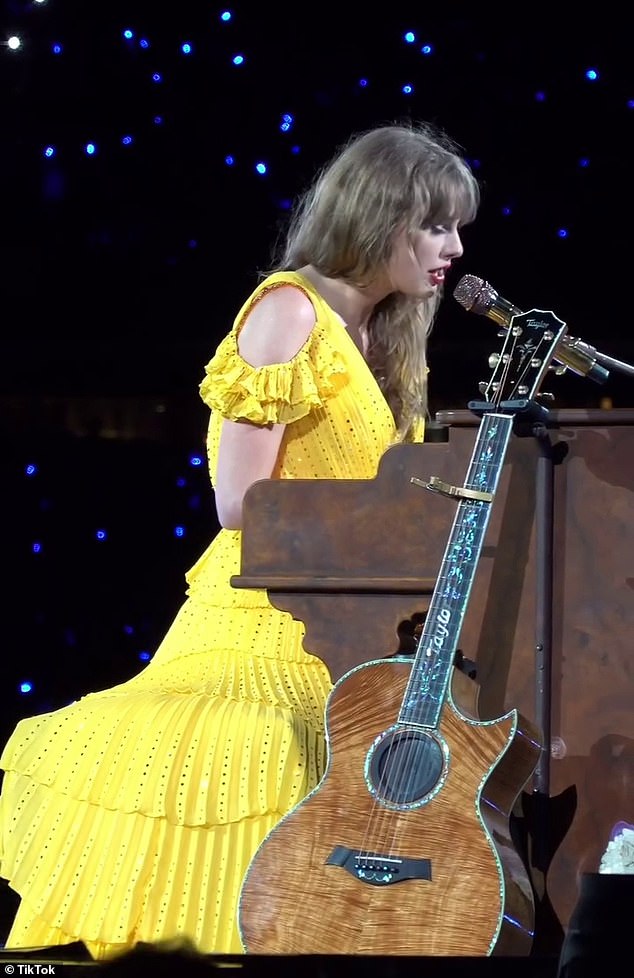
393,176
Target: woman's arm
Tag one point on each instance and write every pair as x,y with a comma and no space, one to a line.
274,331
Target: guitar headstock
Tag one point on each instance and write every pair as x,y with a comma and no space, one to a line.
530,342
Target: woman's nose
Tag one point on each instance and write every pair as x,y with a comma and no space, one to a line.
453,246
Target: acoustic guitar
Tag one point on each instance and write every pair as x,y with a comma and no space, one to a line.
405,846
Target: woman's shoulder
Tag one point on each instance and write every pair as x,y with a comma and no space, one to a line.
277,322
279,362
284,291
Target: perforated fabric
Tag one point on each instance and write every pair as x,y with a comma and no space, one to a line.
132,814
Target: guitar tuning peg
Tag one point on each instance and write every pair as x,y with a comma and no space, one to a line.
545,396
496,358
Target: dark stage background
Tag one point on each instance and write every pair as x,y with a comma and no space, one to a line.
122,268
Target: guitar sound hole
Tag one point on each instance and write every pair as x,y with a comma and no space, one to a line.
405,766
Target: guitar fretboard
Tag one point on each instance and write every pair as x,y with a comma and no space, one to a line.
432,665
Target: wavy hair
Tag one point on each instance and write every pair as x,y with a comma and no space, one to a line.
393,176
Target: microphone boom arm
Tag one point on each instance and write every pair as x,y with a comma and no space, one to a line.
603,358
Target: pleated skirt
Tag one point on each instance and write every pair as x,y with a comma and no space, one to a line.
131,815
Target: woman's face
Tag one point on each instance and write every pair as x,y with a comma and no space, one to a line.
421,258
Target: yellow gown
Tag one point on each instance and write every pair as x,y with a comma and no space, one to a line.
131,814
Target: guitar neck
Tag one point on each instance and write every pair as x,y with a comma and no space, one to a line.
432,665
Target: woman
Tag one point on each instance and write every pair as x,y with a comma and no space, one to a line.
131,815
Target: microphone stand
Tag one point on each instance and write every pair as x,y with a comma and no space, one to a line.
538,805
541,808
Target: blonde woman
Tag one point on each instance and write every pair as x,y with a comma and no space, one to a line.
132,814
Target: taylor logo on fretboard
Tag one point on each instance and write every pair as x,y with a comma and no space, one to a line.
404,847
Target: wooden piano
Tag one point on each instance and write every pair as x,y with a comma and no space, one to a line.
549,628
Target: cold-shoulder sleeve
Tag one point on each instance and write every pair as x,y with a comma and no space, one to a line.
275,393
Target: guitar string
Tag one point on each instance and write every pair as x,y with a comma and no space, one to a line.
399,767
402,761
478,477
406,763
400,771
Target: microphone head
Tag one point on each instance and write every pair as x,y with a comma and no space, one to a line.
474,294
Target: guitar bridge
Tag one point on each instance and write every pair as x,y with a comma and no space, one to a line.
377,869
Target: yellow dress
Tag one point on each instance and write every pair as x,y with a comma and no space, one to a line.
131,814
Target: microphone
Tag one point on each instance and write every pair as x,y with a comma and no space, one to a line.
476,295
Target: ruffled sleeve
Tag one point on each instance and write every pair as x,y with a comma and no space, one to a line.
275,393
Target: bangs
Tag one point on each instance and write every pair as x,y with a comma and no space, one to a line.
453,195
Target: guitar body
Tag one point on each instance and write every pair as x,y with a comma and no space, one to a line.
349,872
